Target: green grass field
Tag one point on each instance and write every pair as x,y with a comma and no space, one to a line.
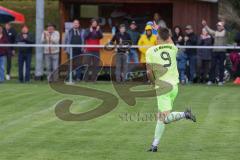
29,129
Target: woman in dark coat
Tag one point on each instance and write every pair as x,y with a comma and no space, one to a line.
178,36
204,56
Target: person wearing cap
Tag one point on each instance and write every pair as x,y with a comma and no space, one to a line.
92,36
219,55
135,35
51,54
147,39
121,56
191,39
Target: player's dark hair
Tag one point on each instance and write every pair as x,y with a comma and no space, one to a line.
164,33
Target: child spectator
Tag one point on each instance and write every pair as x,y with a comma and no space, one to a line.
25,54
182,63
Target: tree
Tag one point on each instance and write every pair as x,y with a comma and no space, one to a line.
235,5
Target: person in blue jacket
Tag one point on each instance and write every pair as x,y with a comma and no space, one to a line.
182,63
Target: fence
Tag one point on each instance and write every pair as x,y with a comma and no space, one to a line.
229,47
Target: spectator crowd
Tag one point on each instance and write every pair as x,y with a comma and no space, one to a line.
194,65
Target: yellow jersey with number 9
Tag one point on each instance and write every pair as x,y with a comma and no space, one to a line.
165,57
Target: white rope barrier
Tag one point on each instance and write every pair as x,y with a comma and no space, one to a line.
113,46
108,47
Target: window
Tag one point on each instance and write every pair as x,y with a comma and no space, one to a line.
89,11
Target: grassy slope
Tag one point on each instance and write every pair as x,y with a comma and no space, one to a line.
29,129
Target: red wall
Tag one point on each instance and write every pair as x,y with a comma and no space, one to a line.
192,14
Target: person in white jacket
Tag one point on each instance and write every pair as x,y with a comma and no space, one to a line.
51,54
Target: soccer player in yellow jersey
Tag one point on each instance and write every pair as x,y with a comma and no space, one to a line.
162,58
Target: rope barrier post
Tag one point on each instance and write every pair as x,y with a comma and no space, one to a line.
70,82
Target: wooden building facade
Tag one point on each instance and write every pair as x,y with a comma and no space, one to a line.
113,12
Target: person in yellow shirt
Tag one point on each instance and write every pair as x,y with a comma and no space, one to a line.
147,39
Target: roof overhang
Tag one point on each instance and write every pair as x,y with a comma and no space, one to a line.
130,1
212,1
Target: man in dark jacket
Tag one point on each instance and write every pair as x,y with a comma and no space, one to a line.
135,35
121,38
191,40
25,54
93,35
75,36
11,34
